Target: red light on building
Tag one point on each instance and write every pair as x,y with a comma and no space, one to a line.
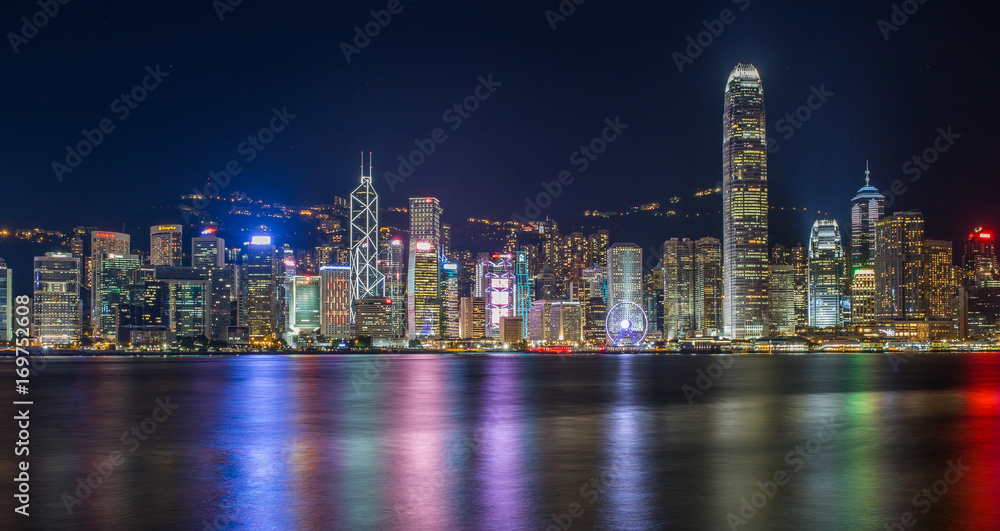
388,301
428,200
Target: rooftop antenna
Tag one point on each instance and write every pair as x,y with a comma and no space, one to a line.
369,164
867,173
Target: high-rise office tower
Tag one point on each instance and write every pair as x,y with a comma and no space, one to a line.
979,257
565,322
864,309
539,326
939,281
423,294
6,302
781,289
744,205
499,284
654,299
366,280
678,288
599,243
335,301
57,307
188,300
471,318
114,275
523,292
393,267
624,274
102,243
899,242
449,301
798,258
867,207
593,299
826,275
304,309
207,250
165,243
222,289
425,221
260,290
708,285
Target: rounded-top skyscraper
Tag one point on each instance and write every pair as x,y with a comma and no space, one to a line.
744,205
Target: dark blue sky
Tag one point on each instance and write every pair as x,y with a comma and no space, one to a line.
606,59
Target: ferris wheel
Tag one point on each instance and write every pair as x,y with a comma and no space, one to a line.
626,325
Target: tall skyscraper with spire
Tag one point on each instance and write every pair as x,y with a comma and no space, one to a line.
867,207
366,280
744,205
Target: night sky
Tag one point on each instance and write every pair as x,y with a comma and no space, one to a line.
605,60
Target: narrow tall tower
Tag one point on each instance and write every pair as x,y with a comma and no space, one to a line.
867,207
366,280
744,205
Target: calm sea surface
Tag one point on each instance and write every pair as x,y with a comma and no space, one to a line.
517,442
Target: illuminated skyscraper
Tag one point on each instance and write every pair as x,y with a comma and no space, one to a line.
979,256
335,301
261,290
781,289
57,309
744,205
102,243
6,302
207,251
939,285
113,278
678,287
798,258
425,221
625,274
522,290
899,242
449,301
393,267
165,245
867,207
864,309
423,294
708,285
366,280
826,275
499,283
304,309
187,300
